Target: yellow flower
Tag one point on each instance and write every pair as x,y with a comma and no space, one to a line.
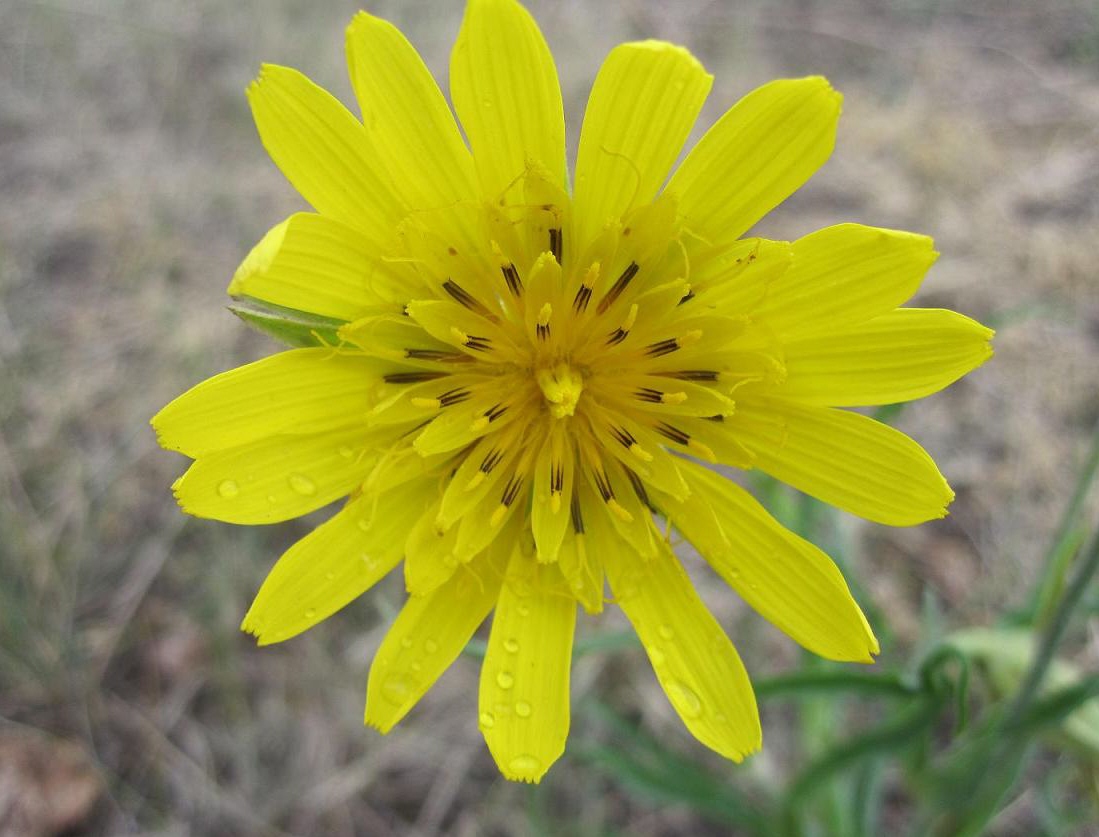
523,373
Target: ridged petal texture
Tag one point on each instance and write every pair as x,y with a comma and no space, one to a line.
519,392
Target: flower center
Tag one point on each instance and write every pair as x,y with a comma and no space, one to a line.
561,385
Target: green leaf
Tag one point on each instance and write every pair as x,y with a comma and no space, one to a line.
287,325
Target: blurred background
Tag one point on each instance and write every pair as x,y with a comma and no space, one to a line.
132,184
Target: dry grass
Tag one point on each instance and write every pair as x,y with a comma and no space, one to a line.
133,183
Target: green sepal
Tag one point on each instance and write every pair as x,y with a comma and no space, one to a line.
298,329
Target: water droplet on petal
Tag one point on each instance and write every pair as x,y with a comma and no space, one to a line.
331,576
370,561
406,642
303,485
415,666
271,498
666,632
228,489
504,680
310,613
346,452
364,524
523,609
511,645
396,689
525,765
522,709
431,646
488,721
684,698
656,656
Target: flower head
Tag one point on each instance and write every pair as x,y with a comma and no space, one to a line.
509,377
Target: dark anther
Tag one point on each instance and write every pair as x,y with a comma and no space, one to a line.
693,375
491,460
511,490
639,489
580,301
511,276
555,243
618,287
454,396
663,347
616,336
413,377
673,433
435,354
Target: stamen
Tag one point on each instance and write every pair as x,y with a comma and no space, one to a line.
583,295
576,514
543,326
557,485
693,375
511,490
437,355
413,377
454,396
620,333
580,301
618,287
639,489
662,347
627,440
673,344
511,276
463,297
491,460
471,341
674,433
603,484
555,243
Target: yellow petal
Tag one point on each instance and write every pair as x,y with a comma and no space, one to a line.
277,478
844,275
323,150
582,569
786,579
334,564
554,472
753,158
406,117
429,562
317,264
299,391
898,356
694,660
843,458
642,107
524,695
428,634
504,85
